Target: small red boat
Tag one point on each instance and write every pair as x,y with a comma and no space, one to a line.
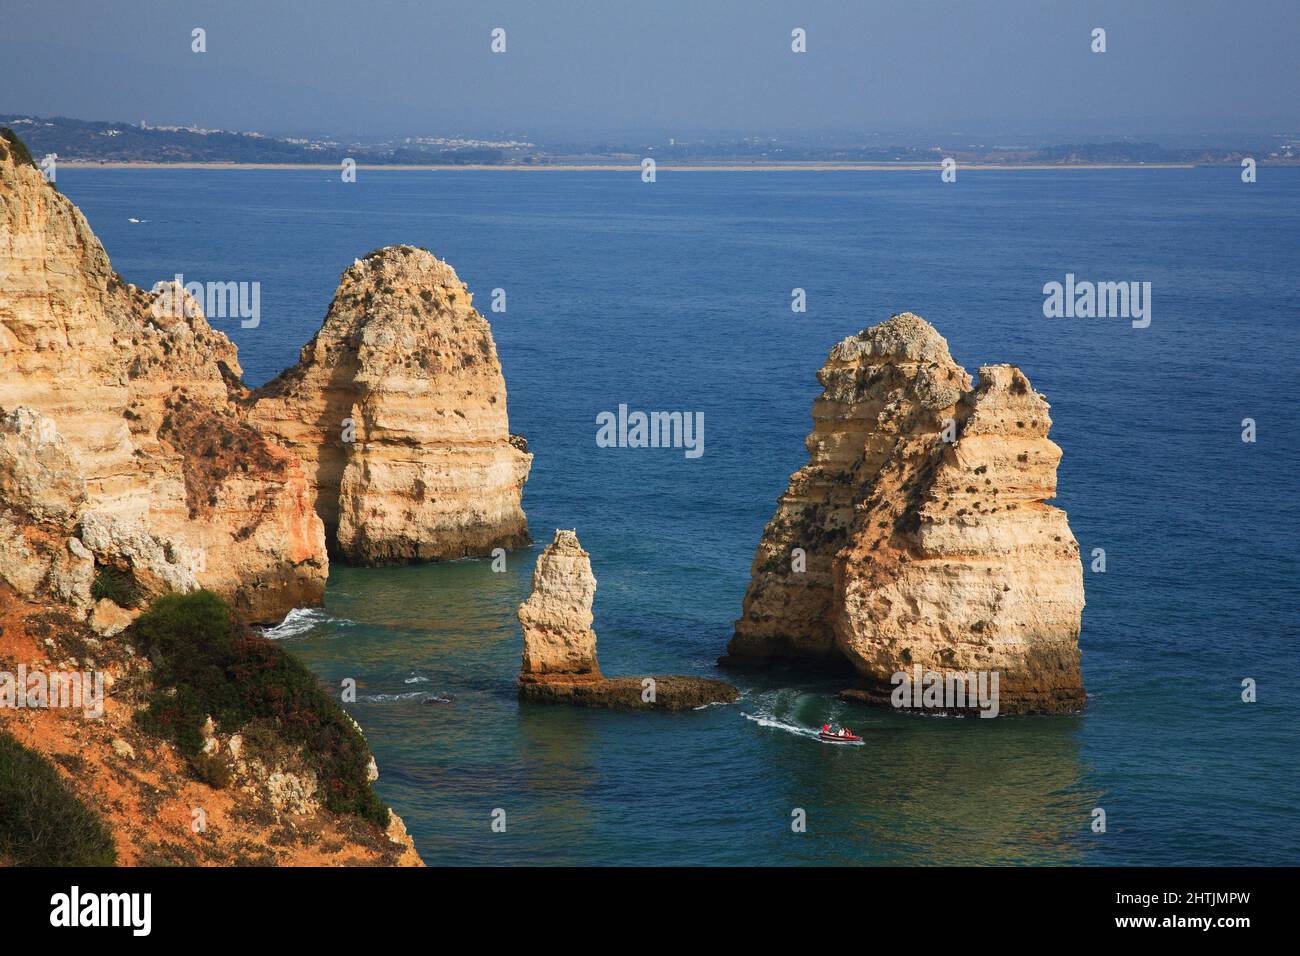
839,738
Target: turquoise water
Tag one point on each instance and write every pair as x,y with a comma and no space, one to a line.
676,296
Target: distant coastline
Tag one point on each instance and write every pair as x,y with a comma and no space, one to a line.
630,167
89,143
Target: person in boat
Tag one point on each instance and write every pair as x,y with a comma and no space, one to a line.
826,728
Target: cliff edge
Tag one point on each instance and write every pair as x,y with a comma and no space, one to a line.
120,441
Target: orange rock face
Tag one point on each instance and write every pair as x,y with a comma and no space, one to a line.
145,790
918,533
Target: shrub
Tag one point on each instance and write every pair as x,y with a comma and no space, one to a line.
212,770
17,147
205,663
118,586
42,823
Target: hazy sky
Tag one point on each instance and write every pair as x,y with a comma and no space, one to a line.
425,67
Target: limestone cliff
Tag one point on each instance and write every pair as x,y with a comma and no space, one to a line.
918,532
129,467
397,408
125,448
559,663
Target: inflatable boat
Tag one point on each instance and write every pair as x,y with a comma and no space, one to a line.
839,738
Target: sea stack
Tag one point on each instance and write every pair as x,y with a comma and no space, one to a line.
557,617
918,534
559,662
397,409
121,445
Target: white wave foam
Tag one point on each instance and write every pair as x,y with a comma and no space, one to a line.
298,621
416,679
383,698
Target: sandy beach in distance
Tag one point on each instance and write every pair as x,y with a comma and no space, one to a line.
632,167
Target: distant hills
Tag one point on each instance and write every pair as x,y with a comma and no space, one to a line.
76,140
86,141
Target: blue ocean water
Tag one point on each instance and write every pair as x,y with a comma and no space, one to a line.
677,295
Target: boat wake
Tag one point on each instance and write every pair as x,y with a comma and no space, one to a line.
763,720
798,712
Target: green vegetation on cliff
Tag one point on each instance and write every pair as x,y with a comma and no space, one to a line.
205,663
118,586
42,823
12,144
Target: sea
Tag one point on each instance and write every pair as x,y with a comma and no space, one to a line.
677,296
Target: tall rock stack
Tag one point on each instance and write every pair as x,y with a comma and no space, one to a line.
134,404
557,617
398,410
922,530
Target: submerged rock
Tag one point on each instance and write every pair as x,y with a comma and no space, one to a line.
918,532
559,661
632,693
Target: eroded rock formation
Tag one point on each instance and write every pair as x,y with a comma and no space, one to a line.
918,532
129,441
124,447
397,408
128,469
559,663
557,616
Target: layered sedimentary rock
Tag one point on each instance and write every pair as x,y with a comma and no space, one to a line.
397,409
559,663
125,447
391,432
918,533
557,616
